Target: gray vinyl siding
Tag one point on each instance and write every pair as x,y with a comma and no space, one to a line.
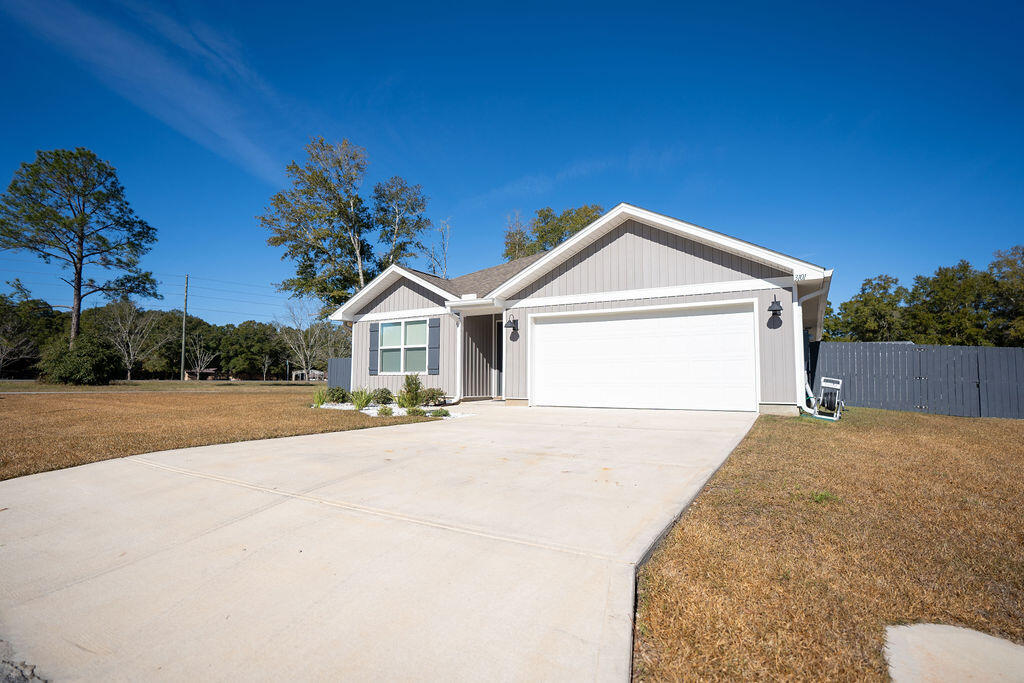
447,377
400,296
639,256
477,354
777,347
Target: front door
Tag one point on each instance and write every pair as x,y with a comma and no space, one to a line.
477,351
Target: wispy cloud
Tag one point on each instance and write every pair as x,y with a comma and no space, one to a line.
639,160
538,184
646,158
184,74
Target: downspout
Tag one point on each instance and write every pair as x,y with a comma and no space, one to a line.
808,390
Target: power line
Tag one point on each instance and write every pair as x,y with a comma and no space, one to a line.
258,285
239,313
240,301
235,282
231,291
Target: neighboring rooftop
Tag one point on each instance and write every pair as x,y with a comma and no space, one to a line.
480,282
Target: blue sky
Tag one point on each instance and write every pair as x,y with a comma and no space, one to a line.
872,138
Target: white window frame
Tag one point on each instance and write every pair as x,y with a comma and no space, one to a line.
402,347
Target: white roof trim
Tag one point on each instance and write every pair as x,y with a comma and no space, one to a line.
391,274
623,212
750,285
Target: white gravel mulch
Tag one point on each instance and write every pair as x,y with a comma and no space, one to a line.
372,409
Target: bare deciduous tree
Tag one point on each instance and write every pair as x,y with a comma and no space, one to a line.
305,334
133,333
199,354
15,343
265,363
437,254
339,341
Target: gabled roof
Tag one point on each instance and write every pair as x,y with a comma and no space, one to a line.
504,280
623,212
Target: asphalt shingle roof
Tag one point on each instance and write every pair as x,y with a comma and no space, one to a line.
483,281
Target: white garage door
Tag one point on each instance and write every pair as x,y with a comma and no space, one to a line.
694,359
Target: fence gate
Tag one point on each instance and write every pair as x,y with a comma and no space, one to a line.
969,381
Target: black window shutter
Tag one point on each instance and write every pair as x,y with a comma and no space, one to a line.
374,345
434,346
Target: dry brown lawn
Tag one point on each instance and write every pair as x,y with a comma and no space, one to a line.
49,431
121,386
814,536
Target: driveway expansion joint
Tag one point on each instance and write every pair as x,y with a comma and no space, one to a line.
379,512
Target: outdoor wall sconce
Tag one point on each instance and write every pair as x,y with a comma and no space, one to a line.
775,308
512,324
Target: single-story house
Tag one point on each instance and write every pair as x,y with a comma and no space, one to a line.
637,310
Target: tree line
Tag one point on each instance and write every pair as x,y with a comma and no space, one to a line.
123,341
958,305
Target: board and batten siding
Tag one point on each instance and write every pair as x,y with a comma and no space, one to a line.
403,295
447,377
639,256
776,346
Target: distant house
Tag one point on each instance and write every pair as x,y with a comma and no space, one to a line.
637,310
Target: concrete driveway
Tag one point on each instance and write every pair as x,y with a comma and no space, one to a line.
498,546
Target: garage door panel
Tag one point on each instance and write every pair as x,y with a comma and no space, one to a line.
667,359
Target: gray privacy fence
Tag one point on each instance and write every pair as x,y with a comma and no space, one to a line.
970,381
339,373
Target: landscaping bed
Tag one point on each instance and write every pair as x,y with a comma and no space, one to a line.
413,400
374,410
814,536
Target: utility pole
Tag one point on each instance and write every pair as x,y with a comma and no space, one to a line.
184,315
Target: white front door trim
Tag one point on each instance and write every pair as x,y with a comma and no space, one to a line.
745,303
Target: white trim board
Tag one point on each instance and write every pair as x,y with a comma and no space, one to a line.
391,274
401,315
745,303
654,292
801,270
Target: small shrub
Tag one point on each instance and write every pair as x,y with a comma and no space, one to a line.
385,411
361,398
383,396
337,395
416,412
413,389
434,396
320,397
440,412
406,400
91,361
